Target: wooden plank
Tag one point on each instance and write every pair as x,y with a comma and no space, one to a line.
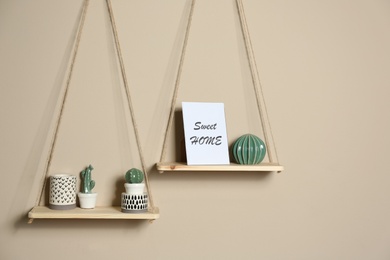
180,166
42,212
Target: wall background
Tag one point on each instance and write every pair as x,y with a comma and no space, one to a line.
324,70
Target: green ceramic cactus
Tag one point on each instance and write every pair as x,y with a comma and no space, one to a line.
134,176
88,184
249,149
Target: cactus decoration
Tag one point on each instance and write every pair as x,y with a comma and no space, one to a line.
88,184
249,149
135,199
134,176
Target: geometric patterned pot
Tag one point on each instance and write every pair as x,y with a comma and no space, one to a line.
135,199
134,203
62,192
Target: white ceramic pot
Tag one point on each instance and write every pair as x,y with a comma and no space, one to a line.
135,188
87,200
62,192
134,203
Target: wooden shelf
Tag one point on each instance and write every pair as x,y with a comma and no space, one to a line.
42,212
181,166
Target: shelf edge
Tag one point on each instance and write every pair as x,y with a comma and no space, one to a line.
43,212
180,166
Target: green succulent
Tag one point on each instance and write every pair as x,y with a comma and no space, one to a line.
134,176
88,184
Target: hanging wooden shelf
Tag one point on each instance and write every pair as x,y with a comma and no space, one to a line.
232,167
273,164
104,212
42,212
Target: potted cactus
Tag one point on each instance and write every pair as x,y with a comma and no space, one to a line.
135,199
86,196
134,178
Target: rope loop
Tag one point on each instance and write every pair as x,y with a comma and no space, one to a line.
255,80
64,97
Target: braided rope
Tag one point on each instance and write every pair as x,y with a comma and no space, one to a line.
129,101
256,82
177,82
58,121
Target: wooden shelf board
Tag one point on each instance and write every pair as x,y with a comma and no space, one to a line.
42,212
181,166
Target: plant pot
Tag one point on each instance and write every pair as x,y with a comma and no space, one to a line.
62,192
87,200
135,199
134,203
135,188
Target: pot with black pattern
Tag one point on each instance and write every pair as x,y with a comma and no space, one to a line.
135,199
62,194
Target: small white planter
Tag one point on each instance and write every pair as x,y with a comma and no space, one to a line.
87,200
62,192
135,188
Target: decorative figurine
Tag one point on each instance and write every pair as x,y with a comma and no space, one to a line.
86,196
88,184
249,149
135,199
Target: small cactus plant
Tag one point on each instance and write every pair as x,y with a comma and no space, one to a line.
134,176
88,184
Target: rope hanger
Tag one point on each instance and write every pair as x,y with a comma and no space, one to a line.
254,74
263,113
64,97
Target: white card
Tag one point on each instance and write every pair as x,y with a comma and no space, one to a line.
205,133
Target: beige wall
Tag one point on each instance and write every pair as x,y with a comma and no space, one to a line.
324,67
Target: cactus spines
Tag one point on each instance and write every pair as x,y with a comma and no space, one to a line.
134,176
88,184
